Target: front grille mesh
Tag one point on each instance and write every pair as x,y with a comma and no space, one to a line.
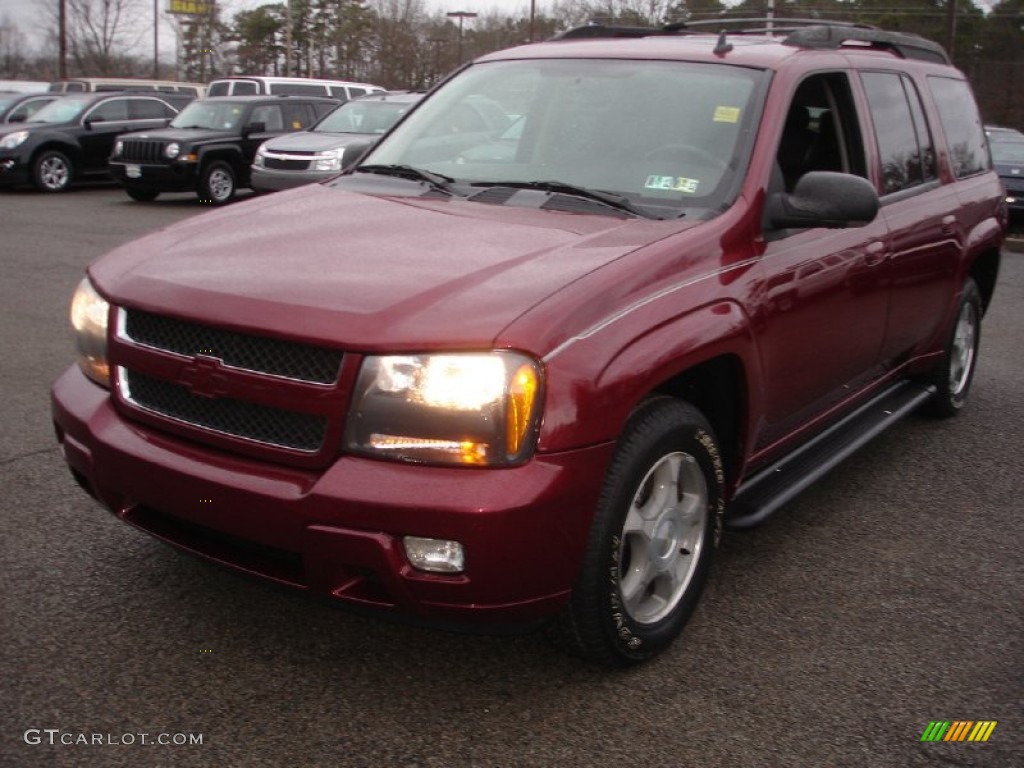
279,164
273,426
292,360
142,151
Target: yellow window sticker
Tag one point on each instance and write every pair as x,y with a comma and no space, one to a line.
672,184
727,115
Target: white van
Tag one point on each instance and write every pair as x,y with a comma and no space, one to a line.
97,84
245,85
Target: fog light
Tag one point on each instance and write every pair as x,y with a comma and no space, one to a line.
435,555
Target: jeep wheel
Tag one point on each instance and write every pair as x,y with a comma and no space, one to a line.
52,171
954,375
142,195
652,539
218,184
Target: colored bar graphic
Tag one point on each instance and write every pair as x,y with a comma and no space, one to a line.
935,731
959,730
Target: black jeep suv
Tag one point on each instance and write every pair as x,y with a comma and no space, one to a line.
71,138
210,145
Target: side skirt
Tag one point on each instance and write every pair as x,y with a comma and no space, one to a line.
779,483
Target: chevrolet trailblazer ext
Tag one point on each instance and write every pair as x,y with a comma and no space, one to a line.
527,378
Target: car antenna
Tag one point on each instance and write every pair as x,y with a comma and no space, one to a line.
722,47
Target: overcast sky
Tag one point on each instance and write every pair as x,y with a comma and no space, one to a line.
30,15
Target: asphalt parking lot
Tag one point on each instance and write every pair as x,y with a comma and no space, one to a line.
888,596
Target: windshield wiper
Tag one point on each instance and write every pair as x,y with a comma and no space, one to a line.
612,200
437,181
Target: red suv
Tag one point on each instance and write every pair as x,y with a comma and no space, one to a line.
528,377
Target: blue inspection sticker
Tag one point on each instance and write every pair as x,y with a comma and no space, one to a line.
672,184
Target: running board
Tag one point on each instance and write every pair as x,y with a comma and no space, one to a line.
781,482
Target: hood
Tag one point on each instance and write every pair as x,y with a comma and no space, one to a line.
186,135
311,141
366,272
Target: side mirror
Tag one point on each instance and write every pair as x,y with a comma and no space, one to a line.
823,199
254,128
17,118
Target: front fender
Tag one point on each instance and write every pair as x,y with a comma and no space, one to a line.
594,385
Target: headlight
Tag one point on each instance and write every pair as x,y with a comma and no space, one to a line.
461,408
11,140
261,156
329,160
89,313
172,150
118,148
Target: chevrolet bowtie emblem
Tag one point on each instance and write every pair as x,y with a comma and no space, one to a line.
204,377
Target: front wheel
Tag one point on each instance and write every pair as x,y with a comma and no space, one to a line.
652,539
953,377
52,171
217,185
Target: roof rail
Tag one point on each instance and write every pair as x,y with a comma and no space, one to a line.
804,33
907,45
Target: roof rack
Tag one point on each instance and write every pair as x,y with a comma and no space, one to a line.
803,33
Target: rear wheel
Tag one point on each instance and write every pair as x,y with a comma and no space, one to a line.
52,171
652,539
953,377
217,185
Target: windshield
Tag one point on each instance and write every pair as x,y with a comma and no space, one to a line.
211,115
62,110
363,117
661,134
1008,152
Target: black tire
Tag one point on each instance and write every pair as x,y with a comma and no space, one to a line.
52,171
953,377
142,195
657,523
217,184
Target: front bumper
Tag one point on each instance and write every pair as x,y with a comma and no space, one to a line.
339,533
273,180
14,170
159,177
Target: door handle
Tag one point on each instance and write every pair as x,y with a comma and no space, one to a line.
874,253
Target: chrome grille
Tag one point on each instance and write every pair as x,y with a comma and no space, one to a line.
264,424
142,151
293,360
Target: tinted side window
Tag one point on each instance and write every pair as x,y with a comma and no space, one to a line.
339,92
270,116
298,89
357,91
218,89
965,136
899,153
115,109
245,88
148,109
297,117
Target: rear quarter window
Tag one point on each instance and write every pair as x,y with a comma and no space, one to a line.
904,143
961,123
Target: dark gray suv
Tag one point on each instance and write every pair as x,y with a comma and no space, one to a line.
332,145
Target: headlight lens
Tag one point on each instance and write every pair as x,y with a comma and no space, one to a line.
118,148
11,140
329,160
172,150
261,156
476,409
89,313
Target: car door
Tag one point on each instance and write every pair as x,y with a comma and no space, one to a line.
920,211
100,125
823,295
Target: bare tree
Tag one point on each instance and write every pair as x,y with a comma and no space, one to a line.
13,59
101,34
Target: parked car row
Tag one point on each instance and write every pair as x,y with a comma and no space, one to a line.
147,139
